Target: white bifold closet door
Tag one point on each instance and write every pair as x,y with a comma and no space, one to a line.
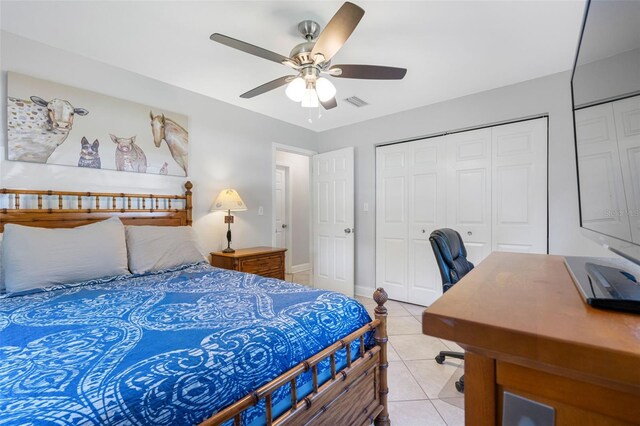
469,190
411,181
488,184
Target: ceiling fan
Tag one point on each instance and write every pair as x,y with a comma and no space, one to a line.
312,60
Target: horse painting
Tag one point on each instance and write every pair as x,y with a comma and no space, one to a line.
176,137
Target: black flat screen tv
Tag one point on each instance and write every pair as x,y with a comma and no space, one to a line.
606,109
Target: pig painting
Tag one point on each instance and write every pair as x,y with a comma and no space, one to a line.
129,156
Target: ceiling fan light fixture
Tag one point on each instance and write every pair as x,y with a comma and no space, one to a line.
296,89
325,89
310,98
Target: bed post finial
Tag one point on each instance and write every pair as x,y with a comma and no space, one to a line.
380,296
188,202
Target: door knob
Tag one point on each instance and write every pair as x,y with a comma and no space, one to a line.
469,233
284,226
348,230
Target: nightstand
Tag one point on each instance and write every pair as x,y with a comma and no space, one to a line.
265,261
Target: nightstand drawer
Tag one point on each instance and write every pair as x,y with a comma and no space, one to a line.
276,273
260,264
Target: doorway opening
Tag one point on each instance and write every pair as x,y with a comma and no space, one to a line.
292,211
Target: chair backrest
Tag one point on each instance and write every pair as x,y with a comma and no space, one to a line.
451,256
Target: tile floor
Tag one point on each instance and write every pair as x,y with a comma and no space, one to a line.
421,391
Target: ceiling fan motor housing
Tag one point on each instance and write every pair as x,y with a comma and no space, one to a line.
302,52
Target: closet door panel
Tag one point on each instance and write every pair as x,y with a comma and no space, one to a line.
392,186
427,212
519,209
627,119
469,190
598,152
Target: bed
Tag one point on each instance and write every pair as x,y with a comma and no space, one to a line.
189,345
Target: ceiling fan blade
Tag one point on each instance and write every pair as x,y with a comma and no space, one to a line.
268,86
337,31
369,72
331,103
249,48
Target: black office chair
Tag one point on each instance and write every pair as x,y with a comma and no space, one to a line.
451,257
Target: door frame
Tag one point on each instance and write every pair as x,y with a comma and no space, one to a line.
275,147
288,208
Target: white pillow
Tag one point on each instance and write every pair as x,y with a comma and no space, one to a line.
38,257
154,248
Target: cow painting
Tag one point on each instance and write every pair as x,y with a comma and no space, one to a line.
37,127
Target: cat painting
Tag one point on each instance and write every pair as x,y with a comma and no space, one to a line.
164,169
89,156
129,156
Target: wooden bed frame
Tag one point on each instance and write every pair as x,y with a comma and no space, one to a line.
353,395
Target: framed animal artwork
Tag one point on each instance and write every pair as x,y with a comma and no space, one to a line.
51,123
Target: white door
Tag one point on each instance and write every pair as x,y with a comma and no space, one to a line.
282,213
427,211
627,117
519,187
602,197
469,190
392,222
333,221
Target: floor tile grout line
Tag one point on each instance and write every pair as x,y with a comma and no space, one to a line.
438,411
418,382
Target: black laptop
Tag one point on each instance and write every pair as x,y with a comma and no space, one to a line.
604,286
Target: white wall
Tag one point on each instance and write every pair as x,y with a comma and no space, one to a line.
299,191
549,95
230,146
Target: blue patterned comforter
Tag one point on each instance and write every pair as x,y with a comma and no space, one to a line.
164,349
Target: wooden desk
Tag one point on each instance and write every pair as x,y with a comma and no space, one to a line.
525,329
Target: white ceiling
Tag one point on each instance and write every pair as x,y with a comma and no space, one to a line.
451,48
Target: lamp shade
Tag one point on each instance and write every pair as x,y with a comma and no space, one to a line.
229,199
326,90
295,89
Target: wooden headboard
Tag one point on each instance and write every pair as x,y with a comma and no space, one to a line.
64,209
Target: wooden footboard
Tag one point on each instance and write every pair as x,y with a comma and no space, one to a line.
354,395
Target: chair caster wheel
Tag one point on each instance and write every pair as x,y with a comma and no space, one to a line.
460,387
439,359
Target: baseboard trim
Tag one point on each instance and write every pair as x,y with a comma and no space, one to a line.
303,267
364,291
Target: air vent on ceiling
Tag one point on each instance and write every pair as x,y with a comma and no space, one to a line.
356,102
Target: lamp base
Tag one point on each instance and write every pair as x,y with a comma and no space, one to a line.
228,250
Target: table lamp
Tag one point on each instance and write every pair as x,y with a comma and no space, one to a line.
229,200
